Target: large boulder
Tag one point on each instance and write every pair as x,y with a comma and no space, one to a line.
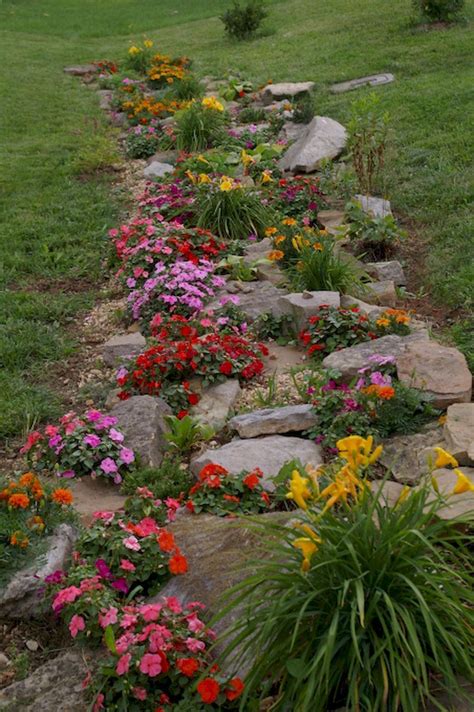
459,432
376,207
270,421
285,90
123,346
438,370
323,138
156,169
259,298
372,310
303,305
142,421
387,271
457,505
22,598
269,453
410,457
383,292
216,403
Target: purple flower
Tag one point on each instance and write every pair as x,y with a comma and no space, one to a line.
121,585
126,455
122,372
115,435
103,570
55,440
57,576
68,474
92,440
93,415
379,379
108,465
381,359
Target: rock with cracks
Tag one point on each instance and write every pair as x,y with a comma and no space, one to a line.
142,421
216,403
323,138
303,305
270,421
121,347
409,457
459,432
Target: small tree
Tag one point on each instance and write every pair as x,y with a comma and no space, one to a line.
439,10
242,21
368,131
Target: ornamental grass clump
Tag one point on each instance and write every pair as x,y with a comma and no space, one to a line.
201,125
358,605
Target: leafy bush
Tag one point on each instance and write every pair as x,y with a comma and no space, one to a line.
142,141
361,605
242,21
139,58
186,432
170,479
188,88
220,493
304,109
368,132
200,126
298,197
376,237
439,10
252,115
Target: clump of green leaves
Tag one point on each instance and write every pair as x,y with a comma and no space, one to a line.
304,109
188,88
376,237
252,115
368,133
232,214
439,10
185,432
321,268
198,128
170,479
242,21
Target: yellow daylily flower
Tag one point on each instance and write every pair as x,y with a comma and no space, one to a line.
357,451
148,44
202,159
288,221
269,231
266,177
226,183
190,176
210,102
299,490
403,495
245,158
444,458
134,50
308,548
463,484
203,178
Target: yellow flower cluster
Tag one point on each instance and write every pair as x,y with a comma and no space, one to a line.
443,459
226,184
400,316
210,102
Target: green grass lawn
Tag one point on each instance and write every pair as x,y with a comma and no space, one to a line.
54,222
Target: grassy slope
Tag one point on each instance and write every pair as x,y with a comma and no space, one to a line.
53,224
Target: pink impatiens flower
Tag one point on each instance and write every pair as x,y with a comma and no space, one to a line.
123,664
150,664
127,565
132,543
76,624
126,455
139,693
108,465
108,618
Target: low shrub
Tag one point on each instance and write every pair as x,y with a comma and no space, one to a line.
142,141
298,197
200,126
188,88
185,433
376,237
219,492
360,605
439,10
170,479
304,109
242,21
139,57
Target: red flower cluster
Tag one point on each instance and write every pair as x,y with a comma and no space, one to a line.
221,493
335,328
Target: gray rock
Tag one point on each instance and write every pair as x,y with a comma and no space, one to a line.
381,292
457,505
456,703
292,131
164,157
269,421
440,371
376,207
389,491
383,271
285,90
141,420
216,403
52,687
118,118
22,598
157,170
409,457
4,661
276,106
303,305
262,298
269,453
121,347
459,432
372,310
80,70
105,98
348,361
373,80
323,138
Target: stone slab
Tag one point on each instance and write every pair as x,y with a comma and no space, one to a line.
142,421
409,457
303,305
376,207
123,346
459,432
285,90
216,403
373,80
156,169
323,138
387,271
81,70
270,421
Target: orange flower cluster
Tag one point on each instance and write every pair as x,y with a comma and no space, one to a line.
382,392
165,70
145,108
390,316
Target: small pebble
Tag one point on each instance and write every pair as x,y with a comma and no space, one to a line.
4,661
32,645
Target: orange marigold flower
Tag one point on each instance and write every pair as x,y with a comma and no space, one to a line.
275,255
269,231
27,479
19,539
62,496
19,501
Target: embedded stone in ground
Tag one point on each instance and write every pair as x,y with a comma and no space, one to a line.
141,420
381,292
407,457
122,346
261,298
285,90
216,403
373,80
81,70
90,495
269,453
457,505
323,138
377,207
348,361
156,169
372,310
439,370
303,305
164,157
269,421
383,271
21,598
459,432
105,98
389,491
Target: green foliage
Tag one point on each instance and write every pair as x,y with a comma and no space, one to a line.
98,154
368,133
463,335
240,269
323,269
142,143
232,214
188,88
337,179
439,10
384,608
405,413
304,109
198,128
242,21
268,327
186,432
170,479
376,237
236,88
252,115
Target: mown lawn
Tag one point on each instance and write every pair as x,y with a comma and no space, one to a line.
54,221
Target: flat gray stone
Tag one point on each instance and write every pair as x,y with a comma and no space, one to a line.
440,371
292,131
123,346
348,361
459,432
373,80
387,271
269,453
285,90
105,98
457,505
80,70
169,157
216,403
262,297
409,457
389,491
270,421
376,207
21,598
141,420
383,292
156,169
372,310
118,118
303,305
323,138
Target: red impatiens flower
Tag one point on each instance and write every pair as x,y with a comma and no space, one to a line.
187,666
208,690
235,689
166,540
226,368
178,564
251,480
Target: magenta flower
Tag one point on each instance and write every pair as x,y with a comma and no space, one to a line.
68,474
76,624
123,664
93,415
92,440
126,455
115,435
108,465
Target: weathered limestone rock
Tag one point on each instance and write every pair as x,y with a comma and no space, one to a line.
389,491
349,360
80,70
323,138
269,421
22,598
303,305
376,207
381,292
121,347
261,297
387,271
408,456
292,131
457,505
269,453
439,370
141,420
216,403
164,157
91,495
373,80
459,432
157,170
285,90
53,687
372,310
105,98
